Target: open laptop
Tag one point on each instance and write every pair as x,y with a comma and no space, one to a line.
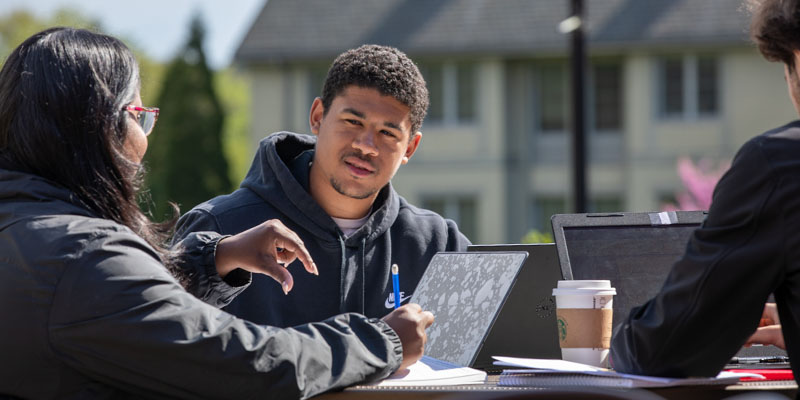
526,323
465,292
635,251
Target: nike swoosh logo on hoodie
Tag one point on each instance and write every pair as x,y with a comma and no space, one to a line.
390,300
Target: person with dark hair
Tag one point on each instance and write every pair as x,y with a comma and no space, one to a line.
89,309
714,297
334,190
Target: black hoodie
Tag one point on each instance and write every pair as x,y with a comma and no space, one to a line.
354,271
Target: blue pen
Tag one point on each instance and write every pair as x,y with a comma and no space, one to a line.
396,285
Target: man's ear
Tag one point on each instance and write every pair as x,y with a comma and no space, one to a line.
794,69
413,143
316,115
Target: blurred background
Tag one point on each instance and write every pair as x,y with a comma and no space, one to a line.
673,88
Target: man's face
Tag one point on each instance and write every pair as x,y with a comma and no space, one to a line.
361,141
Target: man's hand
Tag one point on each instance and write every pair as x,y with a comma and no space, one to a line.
265,249
769,329
410,322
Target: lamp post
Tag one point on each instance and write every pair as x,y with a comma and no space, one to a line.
574,26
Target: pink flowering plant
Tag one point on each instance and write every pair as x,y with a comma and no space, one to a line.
699,181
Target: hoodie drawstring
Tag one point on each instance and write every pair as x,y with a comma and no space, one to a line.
342,272
360,270
363,274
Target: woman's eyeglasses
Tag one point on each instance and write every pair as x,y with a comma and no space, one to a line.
146,118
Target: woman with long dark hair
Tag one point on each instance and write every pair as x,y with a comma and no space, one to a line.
87,307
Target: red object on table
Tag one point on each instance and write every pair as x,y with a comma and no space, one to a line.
768,374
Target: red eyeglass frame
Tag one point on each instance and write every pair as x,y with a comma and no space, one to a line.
153,110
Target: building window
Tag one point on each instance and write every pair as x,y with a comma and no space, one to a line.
543,208
673,87
607,99
316,79
452,91
461,209
605,102
552,102
434,80
707,86
689,87
465,92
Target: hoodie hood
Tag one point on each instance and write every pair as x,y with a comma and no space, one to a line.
24,195
280,175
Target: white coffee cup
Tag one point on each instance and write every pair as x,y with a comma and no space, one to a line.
584,313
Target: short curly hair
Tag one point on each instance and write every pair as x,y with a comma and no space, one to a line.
384,68
775,28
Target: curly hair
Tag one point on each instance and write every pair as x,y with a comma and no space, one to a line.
775,28
383,68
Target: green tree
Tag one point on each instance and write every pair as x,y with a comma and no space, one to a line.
18,25
536,236
185,154
233,90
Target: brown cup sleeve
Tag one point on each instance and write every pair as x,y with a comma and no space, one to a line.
584,327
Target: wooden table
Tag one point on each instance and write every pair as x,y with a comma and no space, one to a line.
491,390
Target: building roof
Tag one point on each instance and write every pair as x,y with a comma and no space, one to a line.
295,30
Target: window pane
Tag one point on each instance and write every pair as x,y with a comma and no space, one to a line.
467,221
434,80
707,85
434,204
672,83
543,209
607,97
552,100
316,78
461,209
466,92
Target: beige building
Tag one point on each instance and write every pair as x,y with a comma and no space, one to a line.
667,78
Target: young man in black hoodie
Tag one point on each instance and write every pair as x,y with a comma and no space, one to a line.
333,189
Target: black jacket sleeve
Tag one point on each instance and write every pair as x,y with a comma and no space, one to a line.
196,237
197,262
714,296
120,318
196,220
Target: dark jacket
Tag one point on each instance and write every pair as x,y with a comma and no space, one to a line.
748,247
354,272
88,311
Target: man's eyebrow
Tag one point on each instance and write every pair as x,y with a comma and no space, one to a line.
355,112
392,125
360,114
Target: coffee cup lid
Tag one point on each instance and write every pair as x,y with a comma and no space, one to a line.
584,284
585,292
600,287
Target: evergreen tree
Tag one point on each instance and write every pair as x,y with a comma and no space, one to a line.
185,156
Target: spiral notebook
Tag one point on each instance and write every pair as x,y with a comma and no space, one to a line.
546,379
429,371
